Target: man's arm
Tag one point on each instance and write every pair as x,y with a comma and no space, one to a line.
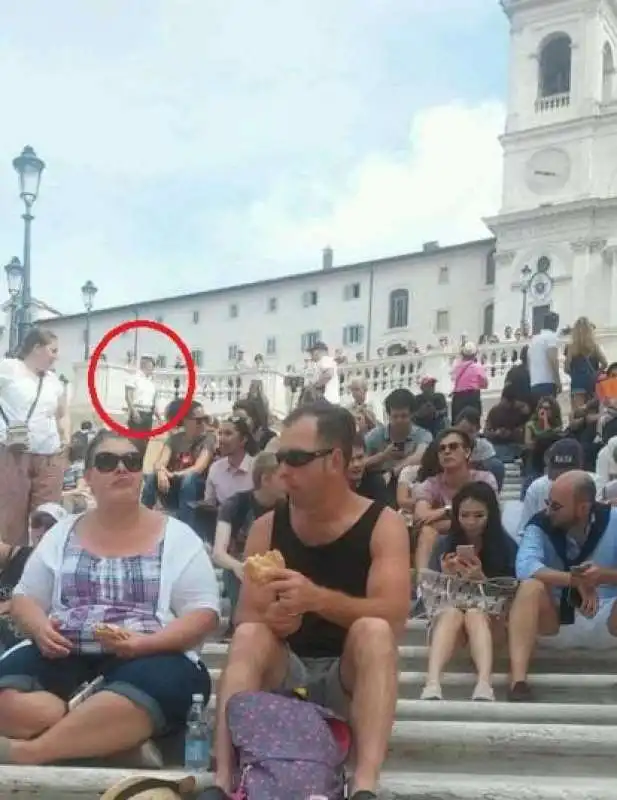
210,491
388,590
552,355
531,561
255,599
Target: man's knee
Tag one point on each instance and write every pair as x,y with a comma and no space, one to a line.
371,638
253,640
530,590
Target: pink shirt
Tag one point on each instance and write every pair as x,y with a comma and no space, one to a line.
225,480
468,376
435,491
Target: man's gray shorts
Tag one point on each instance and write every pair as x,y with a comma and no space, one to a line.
322,679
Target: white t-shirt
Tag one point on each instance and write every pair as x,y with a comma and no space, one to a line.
144,391
537,357
18,388
331,390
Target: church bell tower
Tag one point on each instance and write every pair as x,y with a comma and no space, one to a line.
559,199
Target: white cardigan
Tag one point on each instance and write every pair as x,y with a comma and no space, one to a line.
188,581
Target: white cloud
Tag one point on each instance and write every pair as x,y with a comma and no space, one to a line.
449,178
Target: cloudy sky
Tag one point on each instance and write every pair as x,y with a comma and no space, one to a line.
192,144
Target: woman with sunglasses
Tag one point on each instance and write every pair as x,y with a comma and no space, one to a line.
477,548
432,513
123,594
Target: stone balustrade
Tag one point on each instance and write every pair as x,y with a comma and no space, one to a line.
218,391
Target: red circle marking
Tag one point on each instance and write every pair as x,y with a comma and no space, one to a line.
96,357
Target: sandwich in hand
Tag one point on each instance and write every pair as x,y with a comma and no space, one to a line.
259,568
106,631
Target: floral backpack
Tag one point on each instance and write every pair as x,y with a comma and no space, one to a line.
287,747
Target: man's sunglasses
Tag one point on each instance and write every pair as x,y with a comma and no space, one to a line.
109,462
450,447
553,505
300,458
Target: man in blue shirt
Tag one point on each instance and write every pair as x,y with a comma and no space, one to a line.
401,443
567,565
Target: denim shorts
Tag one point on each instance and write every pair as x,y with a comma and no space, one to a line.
162,685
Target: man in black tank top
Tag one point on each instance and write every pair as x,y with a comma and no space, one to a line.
329,621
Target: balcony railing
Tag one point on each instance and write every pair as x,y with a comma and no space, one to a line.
553,103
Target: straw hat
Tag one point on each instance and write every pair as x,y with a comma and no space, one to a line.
140,787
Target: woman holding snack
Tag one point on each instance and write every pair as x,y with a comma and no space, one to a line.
122,594
477,548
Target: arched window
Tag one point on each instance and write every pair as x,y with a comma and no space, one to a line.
544,264
489,269
608,72
556,66
489,320
398,315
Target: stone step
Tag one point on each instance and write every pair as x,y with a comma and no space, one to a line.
549,687
502,748
414,658
73,783
510,713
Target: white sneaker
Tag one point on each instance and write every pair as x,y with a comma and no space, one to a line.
432,691
483,693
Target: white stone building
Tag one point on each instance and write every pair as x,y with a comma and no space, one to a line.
558,218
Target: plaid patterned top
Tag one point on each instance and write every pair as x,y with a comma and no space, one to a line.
122,591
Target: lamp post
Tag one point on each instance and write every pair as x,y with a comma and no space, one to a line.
88,293
14,279
526,276
29,168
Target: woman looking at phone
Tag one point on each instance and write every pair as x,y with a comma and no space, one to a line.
477,547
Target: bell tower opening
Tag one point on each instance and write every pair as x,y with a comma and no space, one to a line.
555,76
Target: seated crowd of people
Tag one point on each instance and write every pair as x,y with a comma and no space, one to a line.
122,595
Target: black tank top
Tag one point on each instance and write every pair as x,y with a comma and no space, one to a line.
342,565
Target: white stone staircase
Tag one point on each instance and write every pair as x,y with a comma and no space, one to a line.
561,748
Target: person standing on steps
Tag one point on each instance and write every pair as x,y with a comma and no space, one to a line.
34,433
330,620
543,360
141,398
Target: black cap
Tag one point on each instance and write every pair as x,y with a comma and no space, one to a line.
563,456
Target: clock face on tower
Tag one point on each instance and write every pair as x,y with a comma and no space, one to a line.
548,171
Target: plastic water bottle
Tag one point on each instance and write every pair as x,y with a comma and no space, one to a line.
197,738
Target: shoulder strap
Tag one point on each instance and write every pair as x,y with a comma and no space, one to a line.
280,520
461,373
32,407
39,388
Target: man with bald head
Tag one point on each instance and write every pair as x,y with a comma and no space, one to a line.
567,565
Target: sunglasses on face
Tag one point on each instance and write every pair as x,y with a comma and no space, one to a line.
300,458
450,447
109,462
553,505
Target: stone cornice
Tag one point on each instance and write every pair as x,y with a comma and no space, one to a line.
588,245
549,219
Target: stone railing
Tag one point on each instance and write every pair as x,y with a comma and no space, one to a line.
218,391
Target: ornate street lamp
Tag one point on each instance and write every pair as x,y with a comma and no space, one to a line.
88,293
526,275
29,168
14,279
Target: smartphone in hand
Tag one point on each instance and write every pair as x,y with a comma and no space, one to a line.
466,552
